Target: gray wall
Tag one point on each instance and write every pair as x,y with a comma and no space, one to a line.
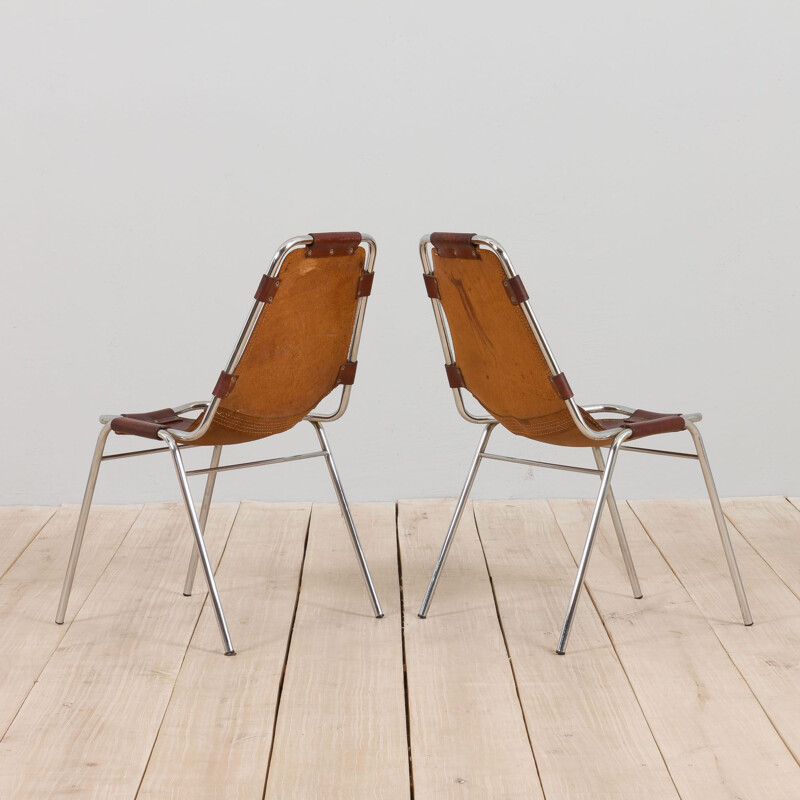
638,161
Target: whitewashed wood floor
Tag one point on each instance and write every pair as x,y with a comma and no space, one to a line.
665,697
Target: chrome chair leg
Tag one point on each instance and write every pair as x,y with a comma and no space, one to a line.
204,508
199,541
621,538
724,535
80,528
348,518
605,484
459,510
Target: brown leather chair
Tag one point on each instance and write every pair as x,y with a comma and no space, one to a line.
300,342
494,348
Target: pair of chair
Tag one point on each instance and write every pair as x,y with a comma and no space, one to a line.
300,343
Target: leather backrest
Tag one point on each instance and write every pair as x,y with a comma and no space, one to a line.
495,348
298,346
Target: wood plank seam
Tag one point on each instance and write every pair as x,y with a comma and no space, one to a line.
286,653
508,651
30,542
758,552
713,629
403,647
617,656
188,643
67,624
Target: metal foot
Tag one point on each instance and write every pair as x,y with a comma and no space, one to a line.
459,510
621,538
724,535
605,484
204,508
80,528
199,541
348,518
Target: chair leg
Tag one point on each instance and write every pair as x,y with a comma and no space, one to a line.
348,518
80,529
605,484
204,508
200,542
727,546
459,510
621,538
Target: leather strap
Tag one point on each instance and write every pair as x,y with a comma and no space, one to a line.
365,284
454,376
561,385
432,286
224,385
515,290
333,244
266,289
454,245
347,373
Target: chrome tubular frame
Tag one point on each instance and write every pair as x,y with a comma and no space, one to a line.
216,453
459,510
348,517
197,529
83,517
177,440
614,439
719,518
620,531
605,485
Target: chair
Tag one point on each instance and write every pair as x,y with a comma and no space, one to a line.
494,348
300,342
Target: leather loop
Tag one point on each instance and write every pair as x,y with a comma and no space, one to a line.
224,385
516,291
365,284
561,385
333,244
266,289
454,245
347,373
454,376
432,286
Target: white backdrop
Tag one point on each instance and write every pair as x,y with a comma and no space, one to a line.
638,161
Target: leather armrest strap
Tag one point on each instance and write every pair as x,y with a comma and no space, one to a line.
148,425
650,423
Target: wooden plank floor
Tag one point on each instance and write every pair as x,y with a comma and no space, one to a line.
665,697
